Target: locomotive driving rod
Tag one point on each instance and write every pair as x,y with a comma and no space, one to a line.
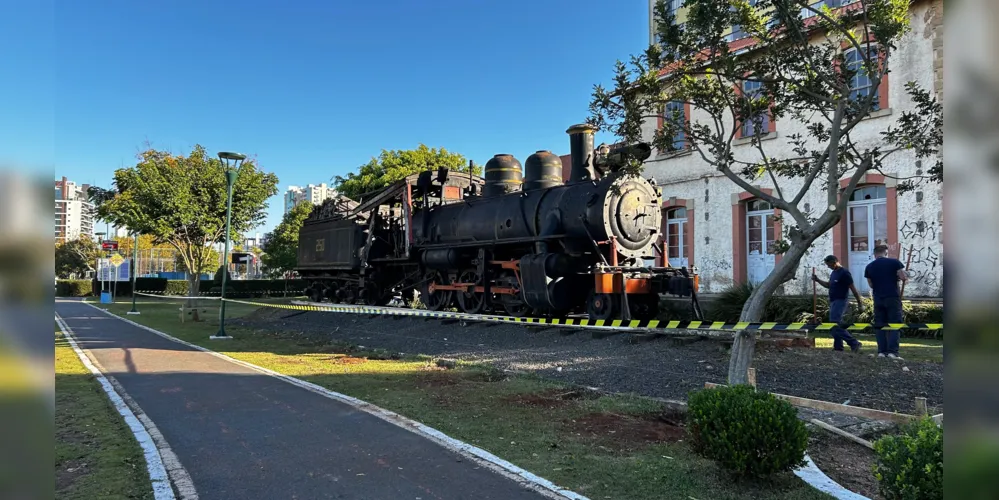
471,287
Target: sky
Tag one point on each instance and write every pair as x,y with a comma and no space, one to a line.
309,88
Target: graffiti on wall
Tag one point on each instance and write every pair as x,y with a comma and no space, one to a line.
919,229
925,264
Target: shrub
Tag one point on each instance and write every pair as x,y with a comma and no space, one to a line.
176,287
217,279
910,465
728,305
253,288
751,433
74,288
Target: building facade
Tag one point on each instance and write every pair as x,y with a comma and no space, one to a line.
312,193
727,235
74,214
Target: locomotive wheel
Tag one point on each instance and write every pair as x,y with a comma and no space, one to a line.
439,299
332,292
316,293
601,306
375,296
349,294
470,302
644,307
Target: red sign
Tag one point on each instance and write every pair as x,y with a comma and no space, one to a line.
109,245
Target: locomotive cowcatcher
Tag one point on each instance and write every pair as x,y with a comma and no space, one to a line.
514,242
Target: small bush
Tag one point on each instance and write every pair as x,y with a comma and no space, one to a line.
728,305
74,288
217,279
909,465
751,433
176,287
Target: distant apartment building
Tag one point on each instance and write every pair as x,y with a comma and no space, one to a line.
74,215
311,193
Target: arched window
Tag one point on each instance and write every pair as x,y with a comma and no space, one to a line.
758,205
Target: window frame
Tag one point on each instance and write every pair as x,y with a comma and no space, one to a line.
880,102
752,127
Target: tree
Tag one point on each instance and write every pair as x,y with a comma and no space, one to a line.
211,261
281,245
73,258
181,201
394,165
794,67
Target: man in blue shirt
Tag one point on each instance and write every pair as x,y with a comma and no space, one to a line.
840,281
883,275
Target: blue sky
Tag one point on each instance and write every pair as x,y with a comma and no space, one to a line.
311,88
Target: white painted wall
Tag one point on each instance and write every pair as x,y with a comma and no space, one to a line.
920,223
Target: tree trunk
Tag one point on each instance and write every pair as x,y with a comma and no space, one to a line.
741,357
193,288
745,341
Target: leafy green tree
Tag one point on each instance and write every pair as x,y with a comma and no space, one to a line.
74,258
211,262
281,245
181,200
394,165
792,68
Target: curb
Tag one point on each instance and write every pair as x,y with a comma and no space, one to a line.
154,463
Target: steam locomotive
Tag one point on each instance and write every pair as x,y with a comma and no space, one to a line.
518,241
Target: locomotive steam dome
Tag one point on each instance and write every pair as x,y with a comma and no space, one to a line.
542,170
502,175
632,214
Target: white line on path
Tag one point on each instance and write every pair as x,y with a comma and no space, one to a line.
161,462
480,456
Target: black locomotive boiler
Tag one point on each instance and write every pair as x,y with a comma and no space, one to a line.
518,241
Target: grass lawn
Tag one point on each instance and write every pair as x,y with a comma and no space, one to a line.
911,349
96,455
601,447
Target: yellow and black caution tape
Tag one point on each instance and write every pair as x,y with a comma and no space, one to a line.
616,323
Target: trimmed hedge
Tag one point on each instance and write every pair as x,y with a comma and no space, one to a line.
74,288
163,286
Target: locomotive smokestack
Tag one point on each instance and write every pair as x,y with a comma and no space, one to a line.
581,151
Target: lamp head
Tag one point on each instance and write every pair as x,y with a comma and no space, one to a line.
231,161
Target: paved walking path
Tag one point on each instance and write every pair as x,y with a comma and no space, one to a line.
242,434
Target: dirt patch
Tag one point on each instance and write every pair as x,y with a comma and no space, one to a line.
627,432
487,376
348,360
847,463
553,398
68,472
432,379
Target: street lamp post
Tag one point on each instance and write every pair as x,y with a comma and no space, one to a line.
231,163
100,255
134,269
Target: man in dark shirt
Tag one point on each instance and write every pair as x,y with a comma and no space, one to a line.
883,275
840,281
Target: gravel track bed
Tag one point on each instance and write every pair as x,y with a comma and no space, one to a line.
657,368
